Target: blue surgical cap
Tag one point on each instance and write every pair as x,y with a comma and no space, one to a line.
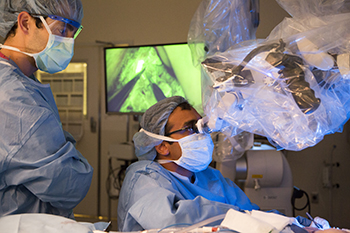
9,10
154,121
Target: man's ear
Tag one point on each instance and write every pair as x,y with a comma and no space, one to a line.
162,148
23,21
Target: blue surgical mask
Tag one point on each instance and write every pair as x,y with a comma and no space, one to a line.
56,55
197,150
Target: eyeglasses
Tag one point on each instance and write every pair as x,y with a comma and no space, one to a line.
191,128
67,27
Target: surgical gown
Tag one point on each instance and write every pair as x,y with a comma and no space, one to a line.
152,198
40,169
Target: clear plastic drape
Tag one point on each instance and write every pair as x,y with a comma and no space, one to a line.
292,87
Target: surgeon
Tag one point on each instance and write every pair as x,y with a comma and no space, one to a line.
172,183
40,169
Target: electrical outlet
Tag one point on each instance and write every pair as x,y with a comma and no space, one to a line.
314,197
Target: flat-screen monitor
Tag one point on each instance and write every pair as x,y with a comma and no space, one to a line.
136,77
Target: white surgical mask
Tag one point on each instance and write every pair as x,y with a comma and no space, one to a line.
56,55
196,150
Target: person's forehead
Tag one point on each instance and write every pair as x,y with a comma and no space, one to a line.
179,117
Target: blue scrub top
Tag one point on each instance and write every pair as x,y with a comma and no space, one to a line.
152,198
40,169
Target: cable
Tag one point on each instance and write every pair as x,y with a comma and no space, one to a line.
115,178
297,194
113,182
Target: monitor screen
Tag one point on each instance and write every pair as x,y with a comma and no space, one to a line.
136,77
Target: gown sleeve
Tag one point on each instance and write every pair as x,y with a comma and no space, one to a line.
152,202
49,166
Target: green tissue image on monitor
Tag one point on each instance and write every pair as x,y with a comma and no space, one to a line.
137,77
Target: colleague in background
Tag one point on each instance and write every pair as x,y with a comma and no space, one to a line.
40,169
172,183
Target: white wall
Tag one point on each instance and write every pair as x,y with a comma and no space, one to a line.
140,22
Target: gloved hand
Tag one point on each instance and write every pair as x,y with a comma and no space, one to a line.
323,222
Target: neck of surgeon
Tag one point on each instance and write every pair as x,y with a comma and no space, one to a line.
171,166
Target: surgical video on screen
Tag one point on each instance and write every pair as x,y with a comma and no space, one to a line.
139,76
